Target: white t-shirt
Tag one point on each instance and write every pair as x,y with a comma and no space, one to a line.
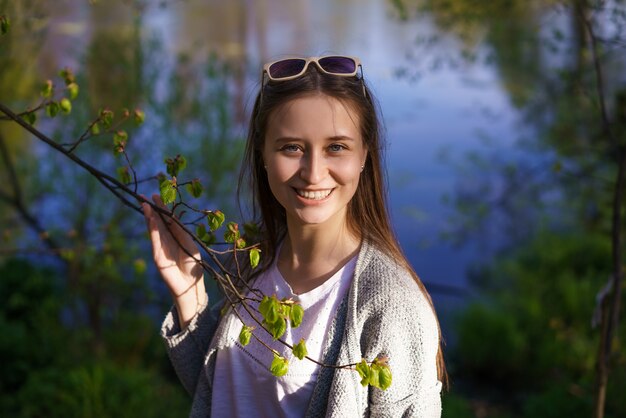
243,386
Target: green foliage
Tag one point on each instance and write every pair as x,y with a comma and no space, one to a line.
194,188
376,374
65,105
167,189
245,335
216,219
232,232
175,165
296,315
299,350
279,366
537,314
255,257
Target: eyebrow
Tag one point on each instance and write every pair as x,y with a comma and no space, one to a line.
283,139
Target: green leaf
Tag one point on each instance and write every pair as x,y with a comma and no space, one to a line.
280,366
232,232
384,377
216,219
364,371
194,188
240,243
95,129
52,109
299,350
65,105
269,308
107,118
277,328
68,75
245,335
119,142
123,174
5,24
175,165
30,117
373,376
296,315
255,258
46,89
73,90
168,191
139,116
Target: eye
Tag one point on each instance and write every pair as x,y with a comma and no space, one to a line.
336,147
290,148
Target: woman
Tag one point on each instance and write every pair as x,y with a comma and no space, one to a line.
313,159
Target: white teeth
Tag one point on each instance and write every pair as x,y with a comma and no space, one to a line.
316,195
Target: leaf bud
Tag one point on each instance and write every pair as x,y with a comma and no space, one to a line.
216,219
65,105
46,89
73,90
140,116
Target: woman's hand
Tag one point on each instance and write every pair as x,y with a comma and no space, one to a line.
177,259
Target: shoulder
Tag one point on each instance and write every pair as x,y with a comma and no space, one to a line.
390,304
382,282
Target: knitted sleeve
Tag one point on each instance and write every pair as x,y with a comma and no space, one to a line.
401,326
186,349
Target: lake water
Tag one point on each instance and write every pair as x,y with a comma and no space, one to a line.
427,112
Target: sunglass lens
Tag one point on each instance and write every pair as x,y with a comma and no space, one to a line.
286,68
338,65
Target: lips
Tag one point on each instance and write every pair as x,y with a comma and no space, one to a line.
314,194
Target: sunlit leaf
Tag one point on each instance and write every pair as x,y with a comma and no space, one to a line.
73,90
168,192
245,335
280,366
46,89
269,309
65,105
216,219
296,315
255,257
232,232
364,370
299,350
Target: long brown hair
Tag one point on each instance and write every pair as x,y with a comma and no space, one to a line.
367,211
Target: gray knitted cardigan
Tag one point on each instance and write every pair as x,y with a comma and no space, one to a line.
384,314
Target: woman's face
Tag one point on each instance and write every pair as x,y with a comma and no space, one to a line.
313,153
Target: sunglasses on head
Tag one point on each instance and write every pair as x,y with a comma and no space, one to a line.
290,68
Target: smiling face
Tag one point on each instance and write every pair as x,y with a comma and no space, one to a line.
313,152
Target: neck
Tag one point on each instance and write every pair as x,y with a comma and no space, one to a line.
311,254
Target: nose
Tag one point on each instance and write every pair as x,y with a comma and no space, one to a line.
313,168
